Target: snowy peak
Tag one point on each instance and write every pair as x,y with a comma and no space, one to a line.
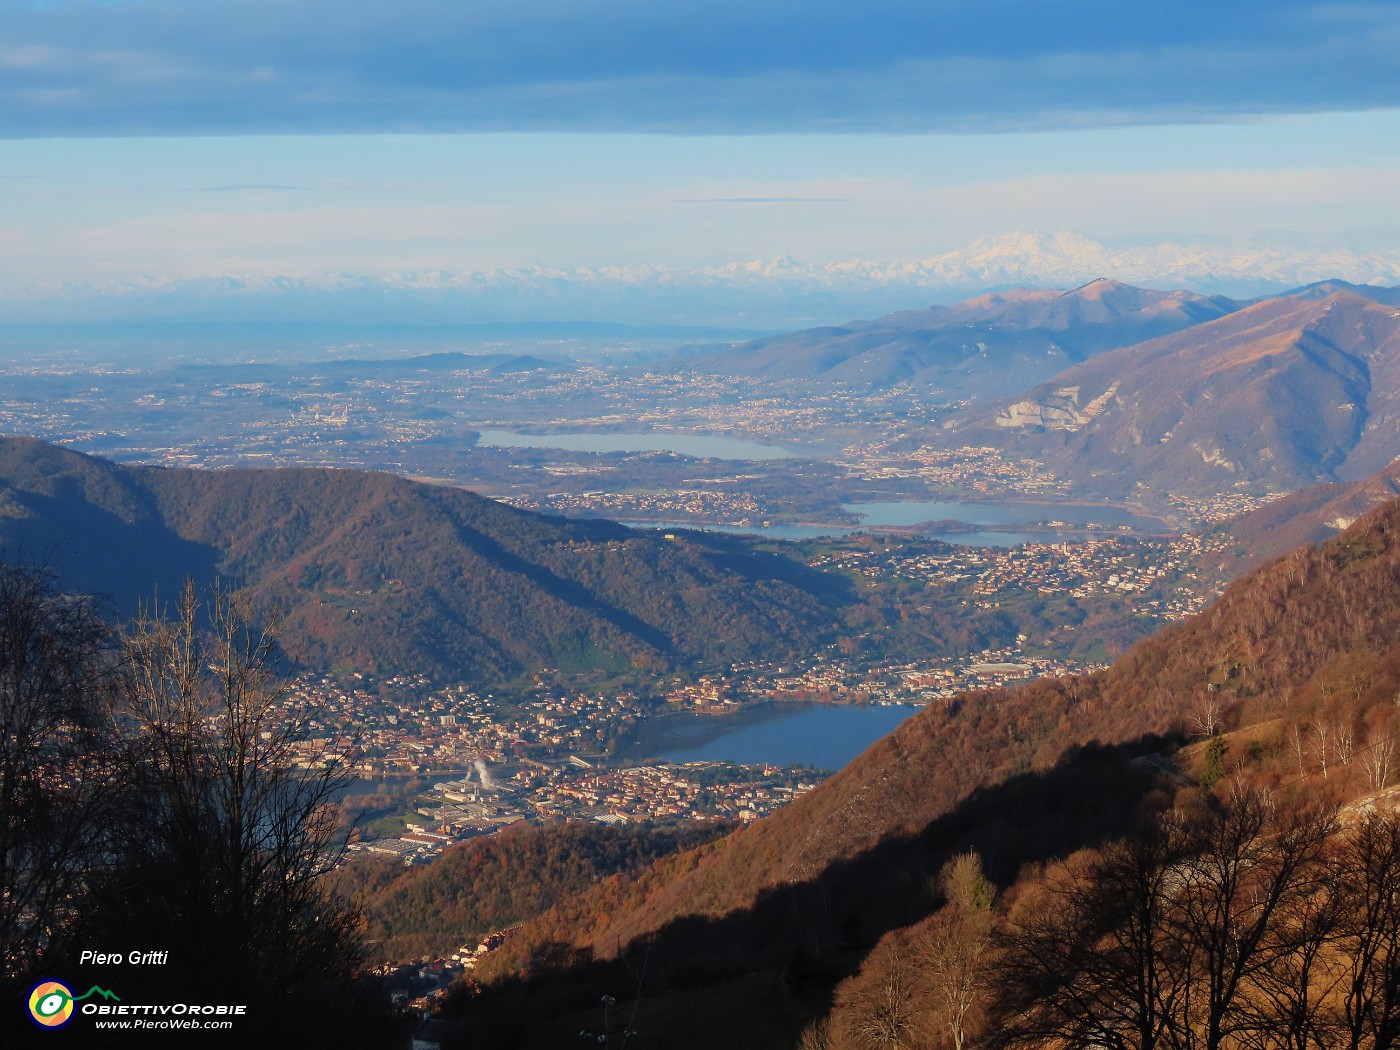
776,291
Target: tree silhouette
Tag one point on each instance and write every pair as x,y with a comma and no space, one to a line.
1204,931
227,827
1369,875
54,777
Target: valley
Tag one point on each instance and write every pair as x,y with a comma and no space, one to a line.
531,601
423,415
699,526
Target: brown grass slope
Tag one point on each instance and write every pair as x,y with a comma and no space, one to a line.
1273,634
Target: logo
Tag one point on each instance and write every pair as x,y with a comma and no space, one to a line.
51,1003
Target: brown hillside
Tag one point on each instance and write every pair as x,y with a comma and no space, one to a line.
383,574
1310,515
1281,395
1297,620
983,347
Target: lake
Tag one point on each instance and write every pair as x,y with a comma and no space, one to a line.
701,446
812,532
824,736
776,532
827,736
999,519
902,513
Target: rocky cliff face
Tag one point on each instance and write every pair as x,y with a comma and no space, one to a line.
1059,410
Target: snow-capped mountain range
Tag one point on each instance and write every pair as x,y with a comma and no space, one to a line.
780,292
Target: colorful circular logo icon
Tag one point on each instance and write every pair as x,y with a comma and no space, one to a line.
51,1004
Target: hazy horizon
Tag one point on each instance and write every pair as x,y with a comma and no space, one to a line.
713,164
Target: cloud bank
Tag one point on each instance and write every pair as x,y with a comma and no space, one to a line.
181,67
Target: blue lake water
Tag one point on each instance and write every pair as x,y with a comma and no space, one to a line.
997,522
812,532
827,736
913,512
702,446
824,736
777,532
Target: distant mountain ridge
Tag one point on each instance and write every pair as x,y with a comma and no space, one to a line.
784,291
1323,289
1282,394
378,573
985,346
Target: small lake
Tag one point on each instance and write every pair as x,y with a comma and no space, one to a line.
996,514
826,736
776,532
701,446
812,532
997,522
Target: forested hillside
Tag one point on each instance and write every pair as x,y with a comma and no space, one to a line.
1285,687
507,877
1309,515
373,572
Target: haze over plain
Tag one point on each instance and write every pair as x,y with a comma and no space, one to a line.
167,167
770,167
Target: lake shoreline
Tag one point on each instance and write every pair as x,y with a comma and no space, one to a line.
822,735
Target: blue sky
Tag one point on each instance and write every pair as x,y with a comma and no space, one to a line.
147,143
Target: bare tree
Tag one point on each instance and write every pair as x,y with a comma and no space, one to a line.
229,824
1252,866
1293,991
54,760
1320,731
1368,867
1091,960
956,949
1206,716
956,952
1177,936
816,1036
1376,760
880,1010
1344,733
1299,748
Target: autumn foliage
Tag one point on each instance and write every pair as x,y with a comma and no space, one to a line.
1283,692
